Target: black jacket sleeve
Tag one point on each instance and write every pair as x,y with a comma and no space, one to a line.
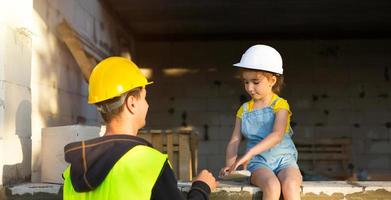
166,187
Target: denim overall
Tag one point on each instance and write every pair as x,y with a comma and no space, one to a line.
258,124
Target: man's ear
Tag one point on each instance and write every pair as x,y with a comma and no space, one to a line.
130,103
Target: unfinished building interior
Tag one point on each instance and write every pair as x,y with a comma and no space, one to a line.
336,60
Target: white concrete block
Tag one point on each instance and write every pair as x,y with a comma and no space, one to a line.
83,21
16,159
12,144
52,18
53,141
341,117
373,132
1,161
190,104
303,132
222,104
202,90
69,77
222,133
184,186
213,118
329,187
41,8
211,147
32,188
169,89
308,117
92,7
376,118
371,104
197,119
375,185
380,147
17,56
303,103
227,118
229,188
36,157
161,120
326,102
17,110
333,131
379,162
67,10
215,163
251,189
202,162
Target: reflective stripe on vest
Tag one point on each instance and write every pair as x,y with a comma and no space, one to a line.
132,177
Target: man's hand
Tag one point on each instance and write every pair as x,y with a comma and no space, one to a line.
208,178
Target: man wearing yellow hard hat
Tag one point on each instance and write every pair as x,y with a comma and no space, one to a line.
120,165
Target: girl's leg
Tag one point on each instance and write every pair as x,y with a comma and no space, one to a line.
291,180
265,179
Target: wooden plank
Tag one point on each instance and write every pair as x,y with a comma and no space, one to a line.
194,153
145,135
184,158
157,141
181,148
170,147
74,45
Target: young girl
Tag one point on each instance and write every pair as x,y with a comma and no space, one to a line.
271,156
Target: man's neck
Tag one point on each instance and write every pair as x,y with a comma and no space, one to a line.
120,127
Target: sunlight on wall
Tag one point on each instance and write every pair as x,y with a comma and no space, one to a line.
177,72
148,72
15,38
12,144
126,54
43,86
16,13
43,46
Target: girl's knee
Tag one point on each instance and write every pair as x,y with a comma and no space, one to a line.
272,184
291,184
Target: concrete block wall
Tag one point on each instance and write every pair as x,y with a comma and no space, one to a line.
15,93
41,84
336,88
59,91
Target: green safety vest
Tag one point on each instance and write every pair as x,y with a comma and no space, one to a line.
132,177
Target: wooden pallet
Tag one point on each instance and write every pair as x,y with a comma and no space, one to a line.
326,157
181,147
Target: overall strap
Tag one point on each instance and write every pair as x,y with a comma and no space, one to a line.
275,101
245,107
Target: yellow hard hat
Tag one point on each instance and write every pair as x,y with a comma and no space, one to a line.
112,77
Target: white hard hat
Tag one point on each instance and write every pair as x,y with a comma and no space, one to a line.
261,57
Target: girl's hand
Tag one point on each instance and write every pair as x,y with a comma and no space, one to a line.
224,171
242,161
